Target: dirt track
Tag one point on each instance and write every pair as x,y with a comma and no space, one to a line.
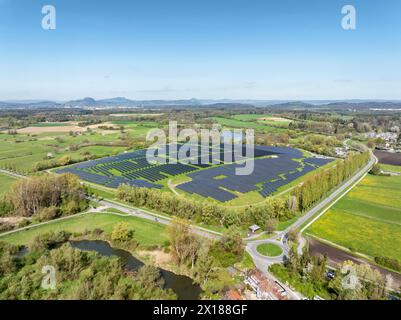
337,256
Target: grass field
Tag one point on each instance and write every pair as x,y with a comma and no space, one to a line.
269,250
23,151
51,124
146,232
5,183
386,167
234,123
367,220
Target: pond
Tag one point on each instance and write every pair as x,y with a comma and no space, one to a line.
183,286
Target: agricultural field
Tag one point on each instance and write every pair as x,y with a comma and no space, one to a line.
388,158
146,232
51,124
41,144
236,123
266,119
367,220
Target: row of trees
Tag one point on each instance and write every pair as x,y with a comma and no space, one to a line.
319,184
46,197
207,213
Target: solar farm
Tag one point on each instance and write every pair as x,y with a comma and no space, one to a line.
212,176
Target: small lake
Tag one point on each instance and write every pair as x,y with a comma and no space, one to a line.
183,286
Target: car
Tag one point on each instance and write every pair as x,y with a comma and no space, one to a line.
331,275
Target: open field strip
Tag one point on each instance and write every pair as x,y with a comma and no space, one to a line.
389,168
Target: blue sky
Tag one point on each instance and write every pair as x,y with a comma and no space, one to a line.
168,49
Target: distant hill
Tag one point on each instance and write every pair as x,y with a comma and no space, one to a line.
91,103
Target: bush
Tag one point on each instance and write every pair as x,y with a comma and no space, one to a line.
49,240
376,169
5,207
122,233
47,214
393,264
24,223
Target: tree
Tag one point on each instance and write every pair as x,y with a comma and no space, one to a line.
231,242
293,235
184,245
271,225
64,160
150,276
122,233
205,265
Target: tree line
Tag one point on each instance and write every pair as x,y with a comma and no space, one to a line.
319,184
207,213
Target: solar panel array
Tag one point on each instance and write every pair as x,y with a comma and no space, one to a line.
218,182
134,168
317,161
269,174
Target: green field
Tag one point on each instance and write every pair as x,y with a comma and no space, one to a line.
23,152
146,232
51,124
234,123
367,220
269,250
389,168
5,183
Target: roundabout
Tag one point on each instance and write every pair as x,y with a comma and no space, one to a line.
269,250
